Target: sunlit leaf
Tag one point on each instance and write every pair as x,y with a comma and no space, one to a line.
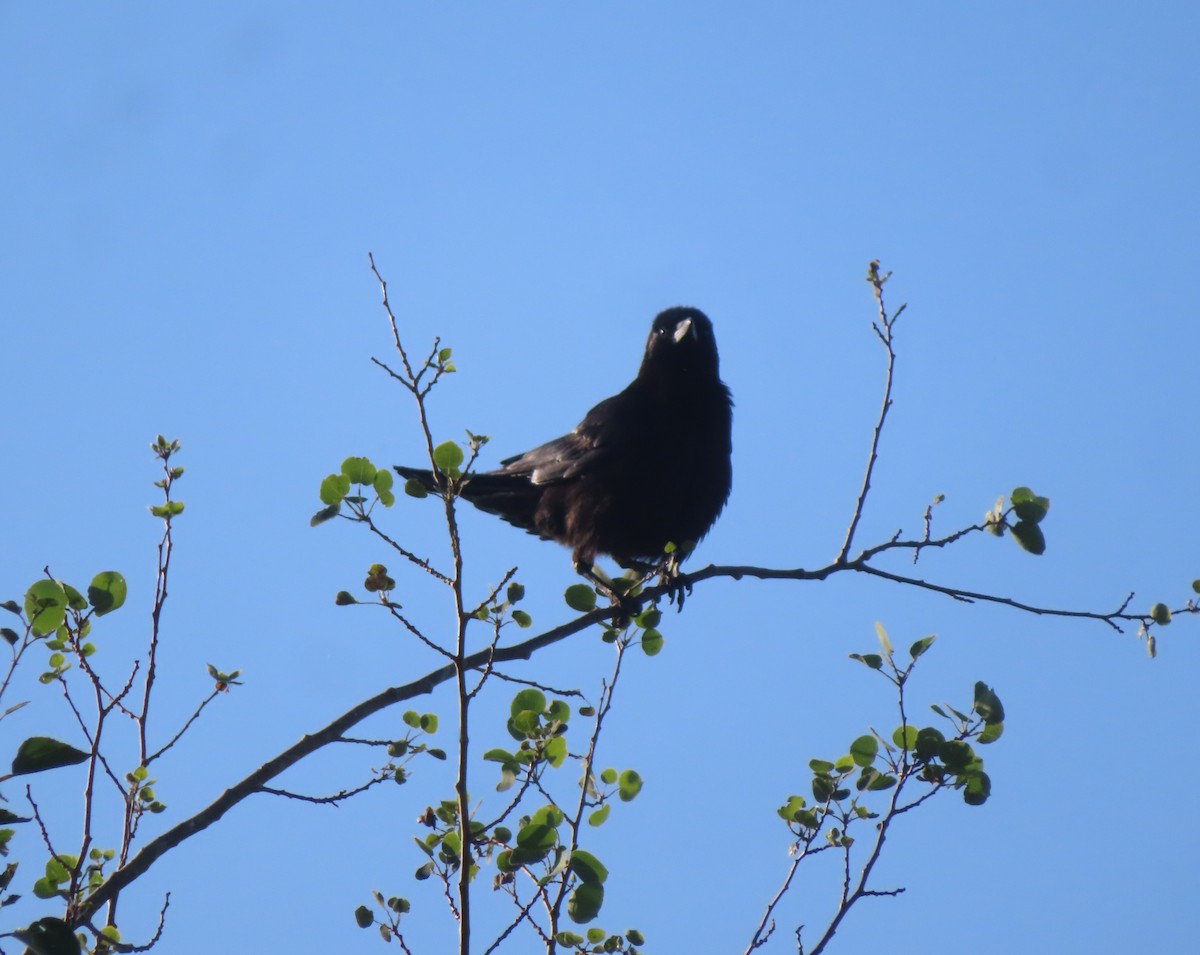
106,592
45,606
359,471
864,750
448,457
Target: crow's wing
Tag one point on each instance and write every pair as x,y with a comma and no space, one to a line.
588,447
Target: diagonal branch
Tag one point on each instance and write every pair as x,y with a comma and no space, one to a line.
257,780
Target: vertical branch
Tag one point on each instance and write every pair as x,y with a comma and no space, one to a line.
589,759
411,380
883,328
165,545
464,704
163,449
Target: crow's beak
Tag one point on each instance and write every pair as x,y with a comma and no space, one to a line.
682,330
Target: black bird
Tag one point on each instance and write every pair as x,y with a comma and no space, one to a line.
648,466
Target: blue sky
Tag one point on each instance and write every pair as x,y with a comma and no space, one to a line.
189,198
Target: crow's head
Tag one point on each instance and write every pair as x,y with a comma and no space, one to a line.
681,342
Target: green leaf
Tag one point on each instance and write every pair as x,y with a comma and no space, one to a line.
13,607
363,917
325,514
1195,588
629,785
1028,506
991,732
10,636
534,843
584,903
820,766
360,471
905,737
597,818
556,751
382,482
57,869
987,704
929,743
921,646
522,619
429,722
568,939
956,754
648,618
39,753
877,781
873,660
652,642
864,750
106,592
528,700
1161,614
334,488
74,598
168,510
559,710
977,790
448,457
787,812
1030,537
414,488
596,935
580,597
588,867
548,815
45,606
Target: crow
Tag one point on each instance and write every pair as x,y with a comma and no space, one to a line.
647,467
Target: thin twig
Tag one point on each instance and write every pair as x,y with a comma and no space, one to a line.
884,330
332,799
151,757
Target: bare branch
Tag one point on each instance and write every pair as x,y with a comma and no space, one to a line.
151,757
883,328
332,799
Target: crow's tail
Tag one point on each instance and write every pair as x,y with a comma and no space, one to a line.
511,496
424,478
